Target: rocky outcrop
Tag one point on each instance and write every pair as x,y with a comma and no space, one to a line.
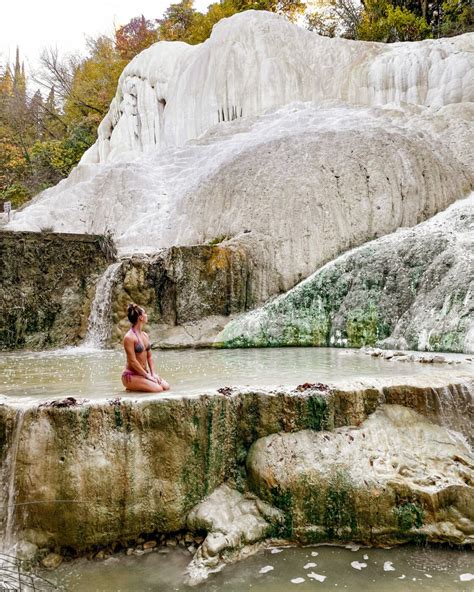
293,146
79,475
413,289
47,284
381,481
234,524
256,61
188,292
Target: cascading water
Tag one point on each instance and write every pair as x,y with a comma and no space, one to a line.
455,408
8,539
100,318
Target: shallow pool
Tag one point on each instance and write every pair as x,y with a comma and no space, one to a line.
96,373
401,569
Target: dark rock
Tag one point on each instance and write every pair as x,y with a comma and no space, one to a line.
47,287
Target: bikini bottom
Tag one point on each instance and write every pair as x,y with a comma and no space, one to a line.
127,375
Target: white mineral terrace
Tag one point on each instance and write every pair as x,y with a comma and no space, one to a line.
297,146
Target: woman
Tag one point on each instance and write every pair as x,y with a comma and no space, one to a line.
138,349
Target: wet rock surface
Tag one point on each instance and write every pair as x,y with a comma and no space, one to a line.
410,290
234,522
189,292
396,477
47,284
105,474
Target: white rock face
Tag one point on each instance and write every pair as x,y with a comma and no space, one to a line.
233,523
300,173
255,61
393,456
418,282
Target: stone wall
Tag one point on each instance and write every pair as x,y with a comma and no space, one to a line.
47,281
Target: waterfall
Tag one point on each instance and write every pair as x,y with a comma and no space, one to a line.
100,318
10,474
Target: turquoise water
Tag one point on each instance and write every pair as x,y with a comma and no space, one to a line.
400,569
96,373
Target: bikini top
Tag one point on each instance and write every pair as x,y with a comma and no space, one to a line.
139,347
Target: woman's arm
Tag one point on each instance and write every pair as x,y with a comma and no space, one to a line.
150,362
133,363
148,358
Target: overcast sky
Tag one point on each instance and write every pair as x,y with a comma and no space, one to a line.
34,24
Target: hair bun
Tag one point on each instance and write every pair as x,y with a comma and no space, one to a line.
133,312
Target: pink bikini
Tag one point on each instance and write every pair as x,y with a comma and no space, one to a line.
139,348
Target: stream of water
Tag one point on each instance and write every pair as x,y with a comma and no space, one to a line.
100,319
8,539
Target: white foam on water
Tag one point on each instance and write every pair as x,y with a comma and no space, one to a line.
317,577
358,565
266,569
466,577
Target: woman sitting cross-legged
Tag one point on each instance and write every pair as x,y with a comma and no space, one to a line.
137,346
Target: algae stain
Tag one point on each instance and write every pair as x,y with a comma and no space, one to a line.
340,513
85,421
283,500
118,417
364,326
409,515
317,413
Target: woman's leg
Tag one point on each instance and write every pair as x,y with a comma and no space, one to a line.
140,384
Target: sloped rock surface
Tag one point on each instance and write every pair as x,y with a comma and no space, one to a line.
413,289
233,523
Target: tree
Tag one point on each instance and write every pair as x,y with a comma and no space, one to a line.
201,26
455,17
177,21
54,125
135,36
382,22
292,9
336,18
93,83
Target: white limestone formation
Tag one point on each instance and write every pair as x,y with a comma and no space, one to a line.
234,524
297,147
418,284
397,465
255,61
